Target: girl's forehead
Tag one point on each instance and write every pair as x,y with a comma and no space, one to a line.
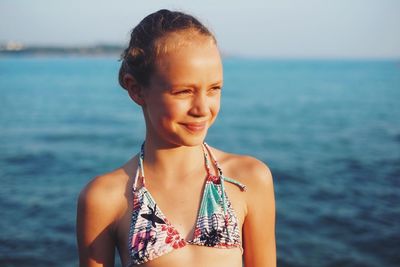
181,39
189,57
189,64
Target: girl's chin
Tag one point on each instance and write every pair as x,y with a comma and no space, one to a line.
191,139
180,137
175,141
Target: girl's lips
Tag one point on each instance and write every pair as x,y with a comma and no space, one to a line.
195,126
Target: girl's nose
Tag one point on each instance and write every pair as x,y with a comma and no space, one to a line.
199,105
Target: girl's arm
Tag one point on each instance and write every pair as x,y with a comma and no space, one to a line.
259,225
95,216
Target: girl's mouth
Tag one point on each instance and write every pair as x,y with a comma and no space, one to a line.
195,126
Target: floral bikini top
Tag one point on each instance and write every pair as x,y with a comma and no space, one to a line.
151,235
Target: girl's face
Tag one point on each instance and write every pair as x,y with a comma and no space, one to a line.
183,97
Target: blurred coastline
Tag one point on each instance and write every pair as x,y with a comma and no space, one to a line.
13,48
18,49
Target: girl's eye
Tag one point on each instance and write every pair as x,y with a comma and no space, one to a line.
182,92
215,89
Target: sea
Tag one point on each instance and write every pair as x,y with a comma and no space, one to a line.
329,130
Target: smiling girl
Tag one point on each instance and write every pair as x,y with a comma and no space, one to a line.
173,204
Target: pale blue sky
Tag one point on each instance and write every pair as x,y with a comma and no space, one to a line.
279,28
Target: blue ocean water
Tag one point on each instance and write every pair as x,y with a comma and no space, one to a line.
329,131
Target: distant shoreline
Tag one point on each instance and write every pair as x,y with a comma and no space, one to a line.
16,50
97,50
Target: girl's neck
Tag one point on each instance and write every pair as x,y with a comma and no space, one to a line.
172,163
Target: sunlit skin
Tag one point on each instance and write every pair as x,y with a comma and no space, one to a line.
180,103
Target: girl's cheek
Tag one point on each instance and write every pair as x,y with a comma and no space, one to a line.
179,108
216,105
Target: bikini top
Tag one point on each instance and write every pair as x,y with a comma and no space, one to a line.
151,235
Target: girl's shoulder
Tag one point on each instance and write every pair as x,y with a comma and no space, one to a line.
259,200
246,169
107,192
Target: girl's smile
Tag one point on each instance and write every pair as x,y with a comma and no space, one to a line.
195,127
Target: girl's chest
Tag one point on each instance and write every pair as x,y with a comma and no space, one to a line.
180,207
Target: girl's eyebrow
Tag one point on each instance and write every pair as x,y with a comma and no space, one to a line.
183,85
193,85
217,83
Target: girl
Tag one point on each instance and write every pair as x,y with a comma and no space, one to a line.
173,204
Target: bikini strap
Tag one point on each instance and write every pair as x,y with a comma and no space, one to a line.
232,181
220,173
139,170
134,186
207,162
214,161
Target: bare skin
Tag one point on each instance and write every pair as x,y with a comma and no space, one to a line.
179,106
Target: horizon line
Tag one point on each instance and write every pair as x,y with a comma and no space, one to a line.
99,49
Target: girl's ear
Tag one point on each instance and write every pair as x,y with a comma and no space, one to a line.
134,89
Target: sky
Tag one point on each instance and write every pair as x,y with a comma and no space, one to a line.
252,28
